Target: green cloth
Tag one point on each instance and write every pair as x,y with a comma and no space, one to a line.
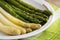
52,33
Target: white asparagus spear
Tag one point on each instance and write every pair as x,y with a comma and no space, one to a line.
9,30
9,23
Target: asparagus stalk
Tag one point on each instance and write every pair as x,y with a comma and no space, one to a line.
9,30
47,12
41,14
9,9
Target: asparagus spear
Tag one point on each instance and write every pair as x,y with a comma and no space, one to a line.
9,9
9,30
47,12
41,14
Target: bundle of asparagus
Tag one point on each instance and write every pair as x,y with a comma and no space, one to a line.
18,17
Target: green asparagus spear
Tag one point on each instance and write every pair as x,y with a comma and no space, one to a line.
7,7
47,12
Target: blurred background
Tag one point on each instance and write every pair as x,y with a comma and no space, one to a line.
56,2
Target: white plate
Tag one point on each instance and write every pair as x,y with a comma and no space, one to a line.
39,5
